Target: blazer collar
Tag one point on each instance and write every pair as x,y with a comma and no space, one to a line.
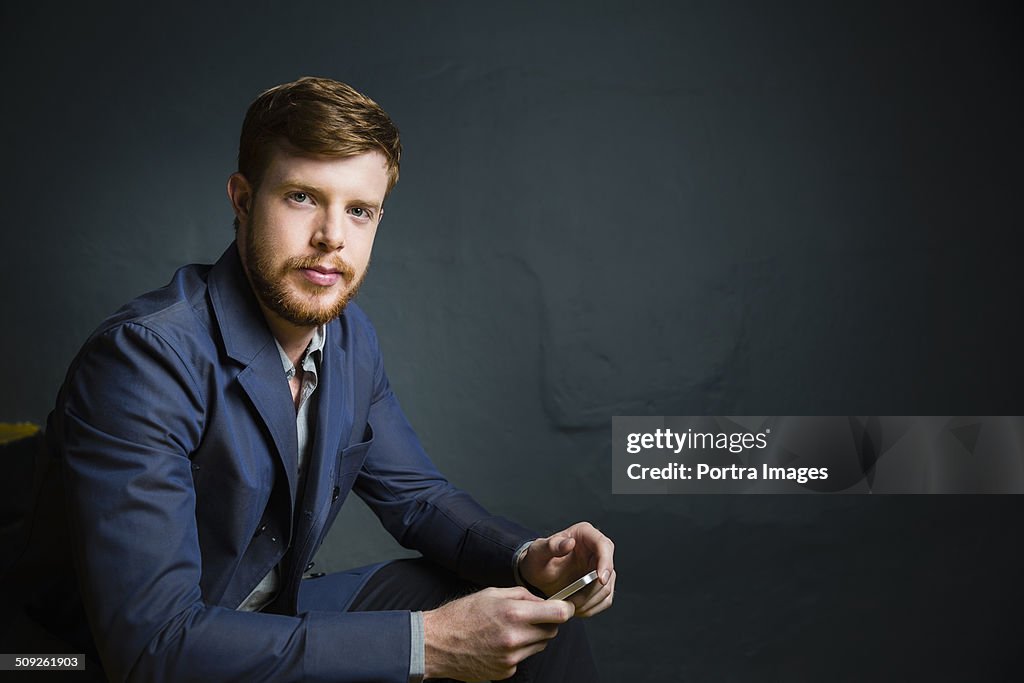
239,316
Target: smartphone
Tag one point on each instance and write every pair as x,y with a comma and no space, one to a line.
575,586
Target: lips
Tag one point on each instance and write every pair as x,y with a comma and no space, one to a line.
318,275
321,271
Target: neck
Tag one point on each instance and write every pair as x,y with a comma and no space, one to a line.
294,339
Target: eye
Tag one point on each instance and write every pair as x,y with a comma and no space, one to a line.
299,197
360,212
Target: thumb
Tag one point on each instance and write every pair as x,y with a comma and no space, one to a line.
559,546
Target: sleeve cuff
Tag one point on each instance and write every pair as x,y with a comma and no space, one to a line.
517,557
417,665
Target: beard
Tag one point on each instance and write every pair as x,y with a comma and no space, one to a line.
304,305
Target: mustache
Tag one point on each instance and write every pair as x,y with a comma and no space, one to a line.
309,262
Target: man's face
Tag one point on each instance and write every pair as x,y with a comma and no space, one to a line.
306,233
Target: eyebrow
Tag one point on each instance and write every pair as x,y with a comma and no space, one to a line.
298,185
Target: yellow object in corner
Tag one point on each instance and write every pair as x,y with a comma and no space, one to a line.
12,431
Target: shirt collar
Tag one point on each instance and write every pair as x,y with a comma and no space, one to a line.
311,356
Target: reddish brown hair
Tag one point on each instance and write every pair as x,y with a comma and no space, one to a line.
316,116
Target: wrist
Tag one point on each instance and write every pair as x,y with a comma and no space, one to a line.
429,659
522,573
517,563
433,652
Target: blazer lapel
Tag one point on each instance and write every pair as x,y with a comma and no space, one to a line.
263,382
248,340
330,422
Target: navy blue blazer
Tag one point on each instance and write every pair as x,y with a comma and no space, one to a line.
175,429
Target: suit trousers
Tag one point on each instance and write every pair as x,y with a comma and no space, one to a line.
418,584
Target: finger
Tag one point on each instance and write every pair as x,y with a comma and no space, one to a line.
541,633
531,642
517,593
600,603
591,601
602,606
587,600
601,550
604,552
559,546
547,612
528,635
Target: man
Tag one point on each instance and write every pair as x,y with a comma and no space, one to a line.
209,432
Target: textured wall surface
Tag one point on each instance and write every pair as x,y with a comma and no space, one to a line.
605,209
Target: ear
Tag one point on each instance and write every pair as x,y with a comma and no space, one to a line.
240,194
380,217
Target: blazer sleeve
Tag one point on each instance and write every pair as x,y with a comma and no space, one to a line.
419,507
129,416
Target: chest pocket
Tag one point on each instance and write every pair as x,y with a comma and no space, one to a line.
350,461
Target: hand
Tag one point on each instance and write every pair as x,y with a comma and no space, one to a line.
485,635
554,562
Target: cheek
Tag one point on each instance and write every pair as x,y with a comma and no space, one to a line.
363,246
282,229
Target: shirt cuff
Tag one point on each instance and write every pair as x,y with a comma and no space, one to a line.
517,557
417,665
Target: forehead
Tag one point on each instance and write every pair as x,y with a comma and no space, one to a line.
364,175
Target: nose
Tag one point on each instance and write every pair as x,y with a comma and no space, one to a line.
330,233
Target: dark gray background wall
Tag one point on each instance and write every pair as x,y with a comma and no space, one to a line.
605,208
